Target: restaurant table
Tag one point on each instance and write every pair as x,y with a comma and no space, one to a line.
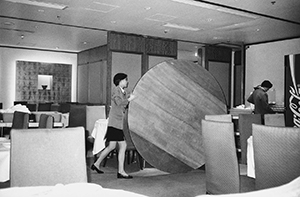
98,134
62,190
4,159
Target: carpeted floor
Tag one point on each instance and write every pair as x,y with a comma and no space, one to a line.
150,181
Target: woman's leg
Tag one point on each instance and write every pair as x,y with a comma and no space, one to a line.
111,146
121,157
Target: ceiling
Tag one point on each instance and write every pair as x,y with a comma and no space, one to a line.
76,25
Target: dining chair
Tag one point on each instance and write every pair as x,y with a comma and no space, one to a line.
46,121
227,118
77,118
245,122
219,117
20,120
276,155
274,120
221,161
46,157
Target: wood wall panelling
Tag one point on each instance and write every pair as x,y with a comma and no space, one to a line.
218,54
83,57
82,83
93,79
97,82
125,42
92,55
161,47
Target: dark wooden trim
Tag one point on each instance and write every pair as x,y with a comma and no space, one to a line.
249,12
269,41
243,77
37,49
109,81
52,23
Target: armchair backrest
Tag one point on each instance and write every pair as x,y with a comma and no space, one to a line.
42,157
219,117
20,120
221,163
276,155
77,116
46,121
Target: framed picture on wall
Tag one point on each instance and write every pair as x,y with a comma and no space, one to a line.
43,82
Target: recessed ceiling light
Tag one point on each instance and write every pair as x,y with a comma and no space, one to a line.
177,26
40,3
8,23
101,7
160,17
217,8
217,38
113,22
147,8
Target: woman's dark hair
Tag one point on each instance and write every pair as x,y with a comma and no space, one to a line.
119,77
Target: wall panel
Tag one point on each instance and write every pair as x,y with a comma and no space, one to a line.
129,64
82,79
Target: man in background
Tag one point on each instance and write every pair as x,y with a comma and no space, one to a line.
259,98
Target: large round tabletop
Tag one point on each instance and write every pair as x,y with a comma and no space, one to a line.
165,118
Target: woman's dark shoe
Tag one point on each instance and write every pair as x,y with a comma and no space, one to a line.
93,167
121,176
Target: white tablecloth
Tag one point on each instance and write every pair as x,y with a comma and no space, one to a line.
72,189
98,134
4,160
250,158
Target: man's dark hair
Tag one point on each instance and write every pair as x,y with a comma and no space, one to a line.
266,84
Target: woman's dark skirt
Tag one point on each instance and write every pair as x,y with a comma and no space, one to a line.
114,134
